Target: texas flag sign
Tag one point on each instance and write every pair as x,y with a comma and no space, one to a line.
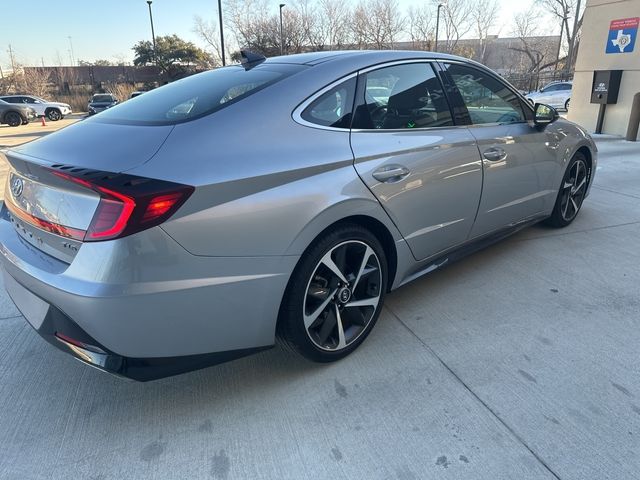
622,35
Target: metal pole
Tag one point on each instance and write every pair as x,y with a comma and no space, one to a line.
281,35
221,32
73,56
153,33
600,121
435,49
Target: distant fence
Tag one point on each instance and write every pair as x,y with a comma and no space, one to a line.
531,81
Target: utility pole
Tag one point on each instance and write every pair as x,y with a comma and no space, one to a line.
153,34
13,60
72,55
440,5
221,32
281,34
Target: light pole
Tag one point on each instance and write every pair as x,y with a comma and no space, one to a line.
221,32
153,34
73,61
281,35
440,5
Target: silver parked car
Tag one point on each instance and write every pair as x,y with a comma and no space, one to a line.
555,94
279,198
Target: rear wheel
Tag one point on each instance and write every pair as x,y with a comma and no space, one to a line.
13,119
572,192
335,295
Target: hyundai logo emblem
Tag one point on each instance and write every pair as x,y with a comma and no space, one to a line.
344,295
16,186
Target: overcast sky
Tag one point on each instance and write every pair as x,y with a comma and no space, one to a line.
39,29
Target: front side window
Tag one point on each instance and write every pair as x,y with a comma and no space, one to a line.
402,97
197,95
332,108
487,99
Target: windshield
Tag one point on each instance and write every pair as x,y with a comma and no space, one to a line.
197,95
102,98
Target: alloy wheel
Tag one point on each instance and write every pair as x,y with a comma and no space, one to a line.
342,295
573,190
54,115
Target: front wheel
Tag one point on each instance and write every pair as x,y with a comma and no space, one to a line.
566,104
335,295
54,115
572,192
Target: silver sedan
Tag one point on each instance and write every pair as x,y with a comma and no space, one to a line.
278,198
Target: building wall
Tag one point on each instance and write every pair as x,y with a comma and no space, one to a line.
591,56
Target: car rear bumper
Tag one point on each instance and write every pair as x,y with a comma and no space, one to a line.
63,333
144,301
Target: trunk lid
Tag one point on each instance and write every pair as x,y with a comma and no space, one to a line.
48,211
97,145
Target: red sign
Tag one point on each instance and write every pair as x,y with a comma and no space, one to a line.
624,23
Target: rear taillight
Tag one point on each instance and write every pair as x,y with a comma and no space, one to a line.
128,204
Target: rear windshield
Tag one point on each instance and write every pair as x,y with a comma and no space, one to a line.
102,98
197,95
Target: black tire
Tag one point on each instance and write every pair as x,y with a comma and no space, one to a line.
25,122
571,193
13,119
566,104
54,114
308,285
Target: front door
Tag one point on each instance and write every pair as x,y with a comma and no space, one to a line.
519,160
425,171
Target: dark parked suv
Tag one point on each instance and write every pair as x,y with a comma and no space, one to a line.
15,115
100,102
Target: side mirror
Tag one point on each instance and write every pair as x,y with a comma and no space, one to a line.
544,114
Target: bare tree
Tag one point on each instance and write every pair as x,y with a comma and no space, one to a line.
35,80
334,22
421,26
377,23
457,21
565,11
208,32
538,53
483,14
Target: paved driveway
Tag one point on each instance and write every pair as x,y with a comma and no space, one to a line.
520,362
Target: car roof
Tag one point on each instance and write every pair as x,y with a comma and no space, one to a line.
375,56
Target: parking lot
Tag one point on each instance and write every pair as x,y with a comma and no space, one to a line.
519,362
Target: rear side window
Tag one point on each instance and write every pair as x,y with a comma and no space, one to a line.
402,96
197,95
332,108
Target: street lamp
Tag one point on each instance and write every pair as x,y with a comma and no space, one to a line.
221,32
440,5
281,35
153,35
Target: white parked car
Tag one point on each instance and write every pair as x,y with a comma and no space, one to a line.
52,110
556,94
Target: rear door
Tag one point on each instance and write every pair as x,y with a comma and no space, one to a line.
518,158
424,170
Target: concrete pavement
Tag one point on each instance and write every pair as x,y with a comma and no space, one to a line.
519,362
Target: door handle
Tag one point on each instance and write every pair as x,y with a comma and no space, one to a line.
390,173
494,154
